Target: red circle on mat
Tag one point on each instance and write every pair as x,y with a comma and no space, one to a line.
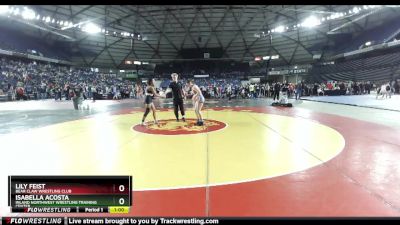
172,127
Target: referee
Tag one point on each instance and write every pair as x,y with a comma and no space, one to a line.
177,94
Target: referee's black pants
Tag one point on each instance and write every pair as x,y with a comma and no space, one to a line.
178,105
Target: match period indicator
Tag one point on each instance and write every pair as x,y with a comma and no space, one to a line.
63,194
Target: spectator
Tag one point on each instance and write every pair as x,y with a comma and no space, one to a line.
298,91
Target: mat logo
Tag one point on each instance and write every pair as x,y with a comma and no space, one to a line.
172,127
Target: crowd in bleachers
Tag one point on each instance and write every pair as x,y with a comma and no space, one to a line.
215,69
233,88
378,67
34,80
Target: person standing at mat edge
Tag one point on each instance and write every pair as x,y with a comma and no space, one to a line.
177,94
298,91
277,89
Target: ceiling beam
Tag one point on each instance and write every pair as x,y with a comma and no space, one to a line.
187,32
81,11
129,53
154,26
106,47
294,20
331,8
237,33
160,36
293,54
51,29
112,59
213,29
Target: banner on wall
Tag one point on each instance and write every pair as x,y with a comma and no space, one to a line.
255,80
288,72
201,76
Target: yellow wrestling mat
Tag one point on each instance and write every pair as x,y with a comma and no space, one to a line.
247,146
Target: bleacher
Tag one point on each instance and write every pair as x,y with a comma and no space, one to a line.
364,69
3,98
206,82
377,35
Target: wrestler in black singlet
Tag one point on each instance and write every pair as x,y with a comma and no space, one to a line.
149,96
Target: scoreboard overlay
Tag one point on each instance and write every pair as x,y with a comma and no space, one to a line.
70,194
